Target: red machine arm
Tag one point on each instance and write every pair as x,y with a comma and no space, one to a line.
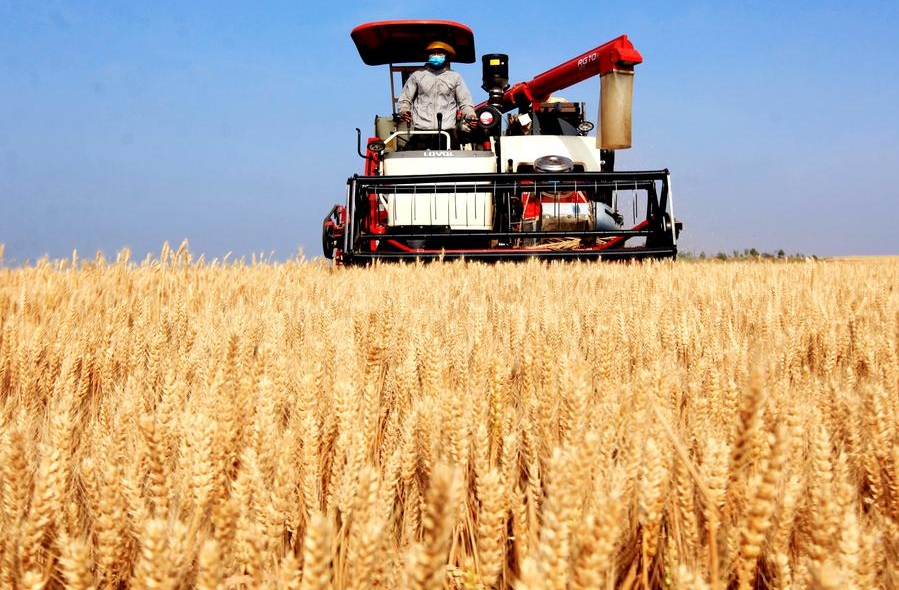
617,54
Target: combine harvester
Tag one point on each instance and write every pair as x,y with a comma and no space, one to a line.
538,186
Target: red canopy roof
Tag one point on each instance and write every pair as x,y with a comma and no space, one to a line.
404,41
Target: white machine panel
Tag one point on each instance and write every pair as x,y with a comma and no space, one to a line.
457,210
524,149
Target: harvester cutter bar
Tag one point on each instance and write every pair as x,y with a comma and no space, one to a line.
499,235
496,255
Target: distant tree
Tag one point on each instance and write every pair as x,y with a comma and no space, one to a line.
781,253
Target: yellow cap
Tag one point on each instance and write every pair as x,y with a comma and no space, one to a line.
446,47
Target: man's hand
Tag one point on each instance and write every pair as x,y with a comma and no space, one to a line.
406,116
469,124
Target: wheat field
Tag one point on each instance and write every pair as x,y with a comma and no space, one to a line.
181,423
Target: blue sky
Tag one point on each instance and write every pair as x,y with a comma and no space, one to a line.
232,125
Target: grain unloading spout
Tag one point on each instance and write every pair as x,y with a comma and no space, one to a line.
614,63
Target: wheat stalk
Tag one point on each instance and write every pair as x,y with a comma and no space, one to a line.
176,422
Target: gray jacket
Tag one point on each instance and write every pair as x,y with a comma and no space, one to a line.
429,91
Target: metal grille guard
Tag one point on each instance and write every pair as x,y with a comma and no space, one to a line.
365,241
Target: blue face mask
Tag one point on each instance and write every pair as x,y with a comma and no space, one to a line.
436,60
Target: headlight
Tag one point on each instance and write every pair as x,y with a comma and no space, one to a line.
489,118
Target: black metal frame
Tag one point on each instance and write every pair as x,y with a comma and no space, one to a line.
659,230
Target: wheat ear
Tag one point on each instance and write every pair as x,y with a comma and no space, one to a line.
491,526
317,555
763,497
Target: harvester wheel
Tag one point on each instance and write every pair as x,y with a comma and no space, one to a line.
328,244
331,229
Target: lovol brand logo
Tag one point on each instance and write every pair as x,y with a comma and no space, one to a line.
439,154
586,60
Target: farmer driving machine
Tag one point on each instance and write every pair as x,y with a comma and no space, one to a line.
538,186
